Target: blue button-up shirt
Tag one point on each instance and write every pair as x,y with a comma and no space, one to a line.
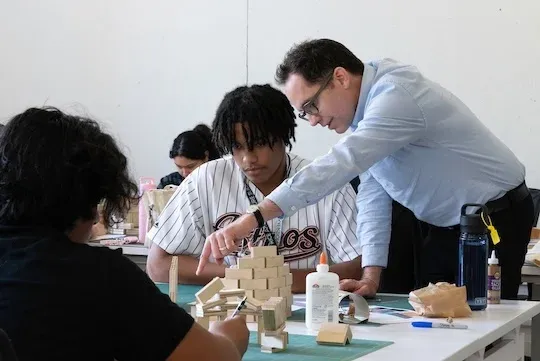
415,142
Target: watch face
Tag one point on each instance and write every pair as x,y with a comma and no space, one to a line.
252,208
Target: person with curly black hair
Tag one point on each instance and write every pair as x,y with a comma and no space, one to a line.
61,299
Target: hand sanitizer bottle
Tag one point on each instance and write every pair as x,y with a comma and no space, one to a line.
322,289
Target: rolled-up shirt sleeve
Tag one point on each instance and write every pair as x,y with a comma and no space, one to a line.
392,120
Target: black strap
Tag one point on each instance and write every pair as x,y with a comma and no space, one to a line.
270,240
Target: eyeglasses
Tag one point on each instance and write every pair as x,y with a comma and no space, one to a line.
309,107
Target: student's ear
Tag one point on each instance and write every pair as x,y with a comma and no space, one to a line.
206,156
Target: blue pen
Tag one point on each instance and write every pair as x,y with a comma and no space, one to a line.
423,324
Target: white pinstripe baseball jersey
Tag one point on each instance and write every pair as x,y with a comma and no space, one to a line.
214,195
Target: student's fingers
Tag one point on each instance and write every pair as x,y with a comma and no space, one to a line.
218,246
349,285
205,255
230,242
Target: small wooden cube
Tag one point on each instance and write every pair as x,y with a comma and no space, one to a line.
208,291
284,270
239,274
265,272
260,284
289,279
263,295
275,261
334,334
276,282
266,251
248,262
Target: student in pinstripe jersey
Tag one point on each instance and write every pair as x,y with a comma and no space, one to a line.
256,126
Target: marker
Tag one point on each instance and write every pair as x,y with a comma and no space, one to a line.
239,307
421,324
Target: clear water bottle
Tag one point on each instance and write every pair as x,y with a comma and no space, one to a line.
473,256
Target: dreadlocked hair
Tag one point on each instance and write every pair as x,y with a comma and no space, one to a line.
265,113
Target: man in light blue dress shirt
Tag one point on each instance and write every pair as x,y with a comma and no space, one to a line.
412,141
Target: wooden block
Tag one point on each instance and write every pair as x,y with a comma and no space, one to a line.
289,279
230,305
254,302
239,274
274,313
278,342
210,312
245,311
267,251
277,332
334,334
173,278
275,261
230,283
248,262
260,284
250,293
284,291
203,321
276,282
263,295
260,328
265,272
208,291
236,292
284,270
214,303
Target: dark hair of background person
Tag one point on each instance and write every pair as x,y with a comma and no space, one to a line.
194,144
315,59
55,168
265,109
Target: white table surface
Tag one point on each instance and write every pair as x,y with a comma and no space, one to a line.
127,249
420,344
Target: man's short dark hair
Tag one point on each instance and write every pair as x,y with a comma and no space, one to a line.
315,59
55,169
265,110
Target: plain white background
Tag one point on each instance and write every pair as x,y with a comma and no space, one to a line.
149,70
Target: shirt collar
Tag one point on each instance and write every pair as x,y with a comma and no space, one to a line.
367,82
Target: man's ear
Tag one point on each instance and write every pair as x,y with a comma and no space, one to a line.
342,77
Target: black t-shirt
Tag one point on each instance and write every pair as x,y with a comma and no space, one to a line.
65,301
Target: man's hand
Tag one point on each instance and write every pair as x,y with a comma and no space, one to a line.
367,286
226,240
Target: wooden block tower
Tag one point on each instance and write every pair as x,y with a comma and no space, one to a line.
263,274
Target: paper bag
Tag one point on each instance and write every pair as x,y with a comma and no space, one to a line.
155,201
440,300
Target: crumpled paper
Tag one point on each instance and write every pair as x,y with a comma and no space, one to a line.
440,300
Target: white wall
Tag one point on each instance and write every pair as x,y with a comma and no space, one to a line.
147,69
153,69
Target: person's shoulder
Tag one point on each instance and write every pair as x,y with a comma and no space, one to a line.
213,169
173,178
297,163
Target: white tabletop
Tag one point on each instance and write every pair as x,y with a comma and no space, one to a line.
127,249
421,344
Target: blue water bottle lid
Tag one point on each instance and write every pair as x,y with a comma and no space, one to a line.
472,222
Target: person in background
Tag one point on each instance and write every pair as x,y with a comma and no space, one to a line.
61,299
190,149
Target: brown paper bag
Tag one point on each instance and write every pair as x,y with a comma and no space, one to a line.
155,201
440,300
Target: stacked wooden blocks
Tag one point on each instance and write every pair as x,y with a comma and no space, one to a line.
263,274
272,336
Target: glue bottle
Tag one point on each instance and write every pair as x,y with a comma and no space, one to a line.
322,304
494,279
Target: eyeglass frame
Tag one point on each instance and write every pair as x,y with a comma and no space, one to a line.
311,102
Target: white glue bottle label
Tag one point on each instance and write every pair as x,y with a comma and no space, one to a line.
322,289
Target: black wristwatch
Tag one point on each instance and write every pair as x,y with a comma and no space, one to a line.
254,209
